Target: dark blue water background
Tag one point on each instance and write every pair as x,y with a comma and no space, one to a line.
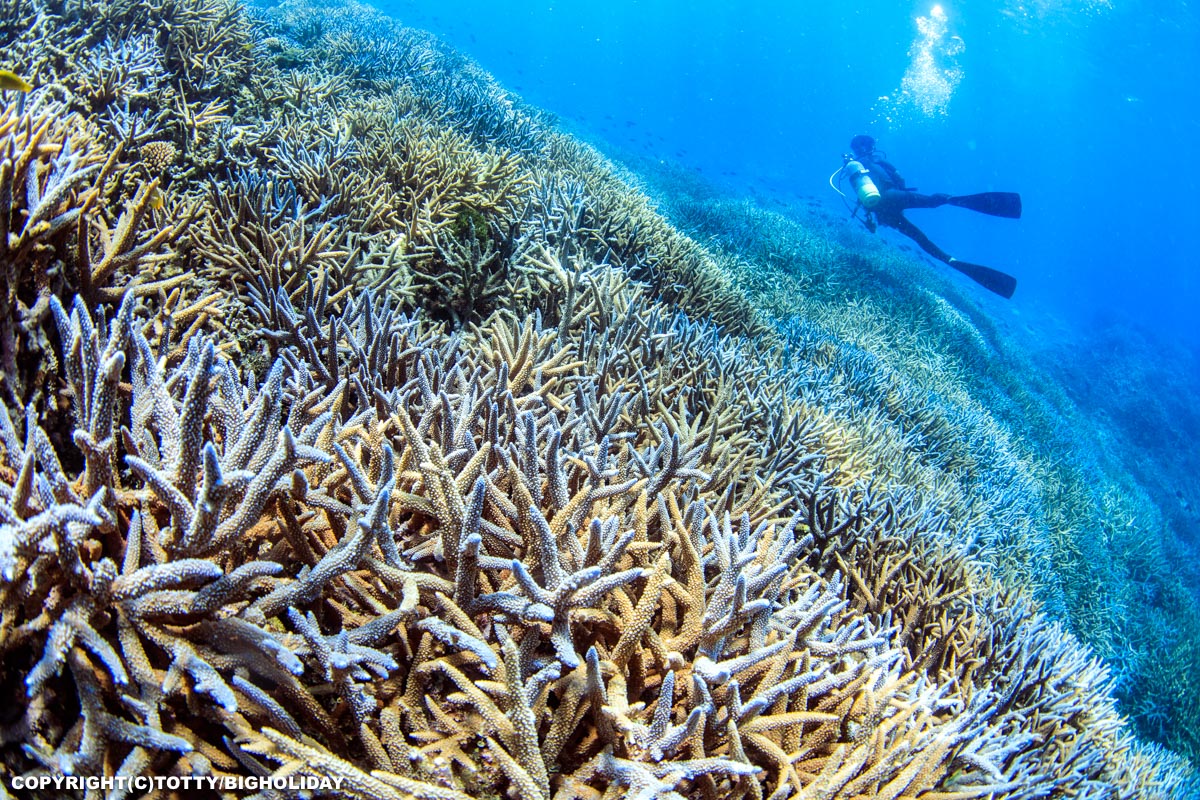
1090,109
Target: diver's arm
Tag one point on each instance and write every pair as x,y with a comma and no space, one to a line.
893,174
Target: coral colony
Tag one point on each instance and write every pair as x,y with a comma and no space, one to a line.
365,436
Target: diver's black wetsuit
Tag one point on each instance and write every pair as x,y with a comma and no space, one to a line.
894,199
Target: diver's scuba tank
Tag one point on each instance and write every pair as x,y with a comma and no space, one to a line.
860,179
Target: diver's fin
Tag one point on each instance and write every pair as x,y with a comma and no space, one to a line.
998,204
994,280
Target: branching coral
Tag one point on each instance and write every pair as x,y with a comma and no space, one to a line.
256,225
54,237
490,566
129,68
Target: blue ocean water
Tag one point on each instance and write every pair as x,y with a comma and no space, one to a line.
1089,108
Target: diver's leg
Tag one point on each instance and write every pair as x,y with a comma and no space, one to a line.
913,232
904,200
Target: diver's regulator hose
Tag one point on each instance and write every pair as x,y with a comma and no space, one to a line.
837,173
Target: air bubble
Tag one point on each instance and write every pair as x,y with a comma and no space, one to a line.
932,76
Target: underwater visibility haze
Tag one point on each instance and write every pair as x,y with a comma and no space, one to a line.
476,400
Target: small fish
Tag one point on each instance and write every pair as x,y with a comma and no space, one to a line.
157,199
11,80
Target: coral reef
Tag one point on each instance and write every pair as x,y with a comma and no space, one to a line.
1096,533
359,424
478,567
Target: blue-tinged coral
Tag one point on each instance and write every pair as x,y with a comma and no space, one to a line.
128,69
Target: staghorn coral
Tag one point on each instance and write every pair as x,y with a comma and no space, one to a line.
438,139
617,225
467,275
54,235
437,175
73,219
257,224
131,68
506,563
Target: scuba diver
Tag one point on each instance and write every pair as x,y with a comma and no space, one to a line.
883,195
